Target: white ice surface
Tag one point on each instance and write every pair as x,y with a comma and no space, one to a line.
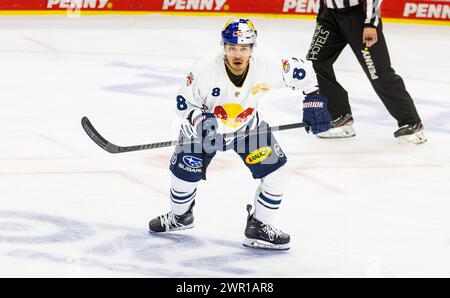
358,207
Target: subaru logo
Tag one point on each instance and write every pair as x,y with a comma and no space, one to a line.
192,161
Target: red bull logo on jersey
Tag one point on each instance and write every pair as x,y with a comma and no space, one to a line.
71,4
232,114
258,155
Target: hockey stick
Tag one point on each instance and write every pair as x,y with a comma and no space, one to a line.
112,148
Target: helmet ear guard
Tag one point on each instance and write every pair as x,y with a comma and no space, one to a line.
239,31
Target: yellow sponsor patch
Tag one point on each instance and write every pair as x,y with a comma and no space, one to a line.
260,87
258,155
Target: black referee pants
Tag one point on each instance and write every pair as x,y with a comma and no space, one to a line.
334,30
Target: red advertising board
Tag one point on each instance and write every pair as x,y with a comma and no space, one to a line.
398,9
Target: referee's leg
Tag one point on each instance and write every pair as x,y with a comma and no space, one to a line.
387,84
326,46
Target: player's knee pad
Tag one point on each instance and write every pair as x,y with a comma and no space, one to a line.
276,182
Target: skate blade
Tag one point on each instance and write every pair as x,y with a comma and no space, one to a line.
340,133
173,230
261,244
417,138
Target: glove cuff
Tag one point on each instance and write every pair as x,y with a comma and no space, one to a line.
196,117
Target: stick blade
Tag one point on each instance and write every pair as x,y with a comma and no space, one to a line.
96,137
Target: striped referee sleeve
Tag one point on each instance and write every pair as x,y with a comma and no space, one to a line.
373,13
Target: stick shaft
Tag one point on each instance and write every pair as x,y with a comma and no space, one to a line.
112,148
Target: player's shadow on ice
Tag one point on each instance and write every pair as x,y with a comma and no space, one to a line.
107,247
222,256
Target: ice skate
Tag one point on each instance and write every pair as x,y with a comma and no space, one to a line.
260,235
341,127
410,133
170,222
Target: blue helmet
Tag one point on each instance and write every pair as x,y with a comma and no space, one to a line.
239,31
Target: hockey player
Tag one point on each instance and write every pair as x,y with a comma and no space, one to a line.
358,23
221,94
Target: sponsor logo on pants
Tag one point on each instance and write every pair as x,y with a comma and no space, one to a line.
188,169
319,39
258,155
192,161
191,164
278,150
369,63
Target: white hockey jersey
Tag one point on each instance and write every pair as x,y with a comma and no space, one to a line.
209,88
